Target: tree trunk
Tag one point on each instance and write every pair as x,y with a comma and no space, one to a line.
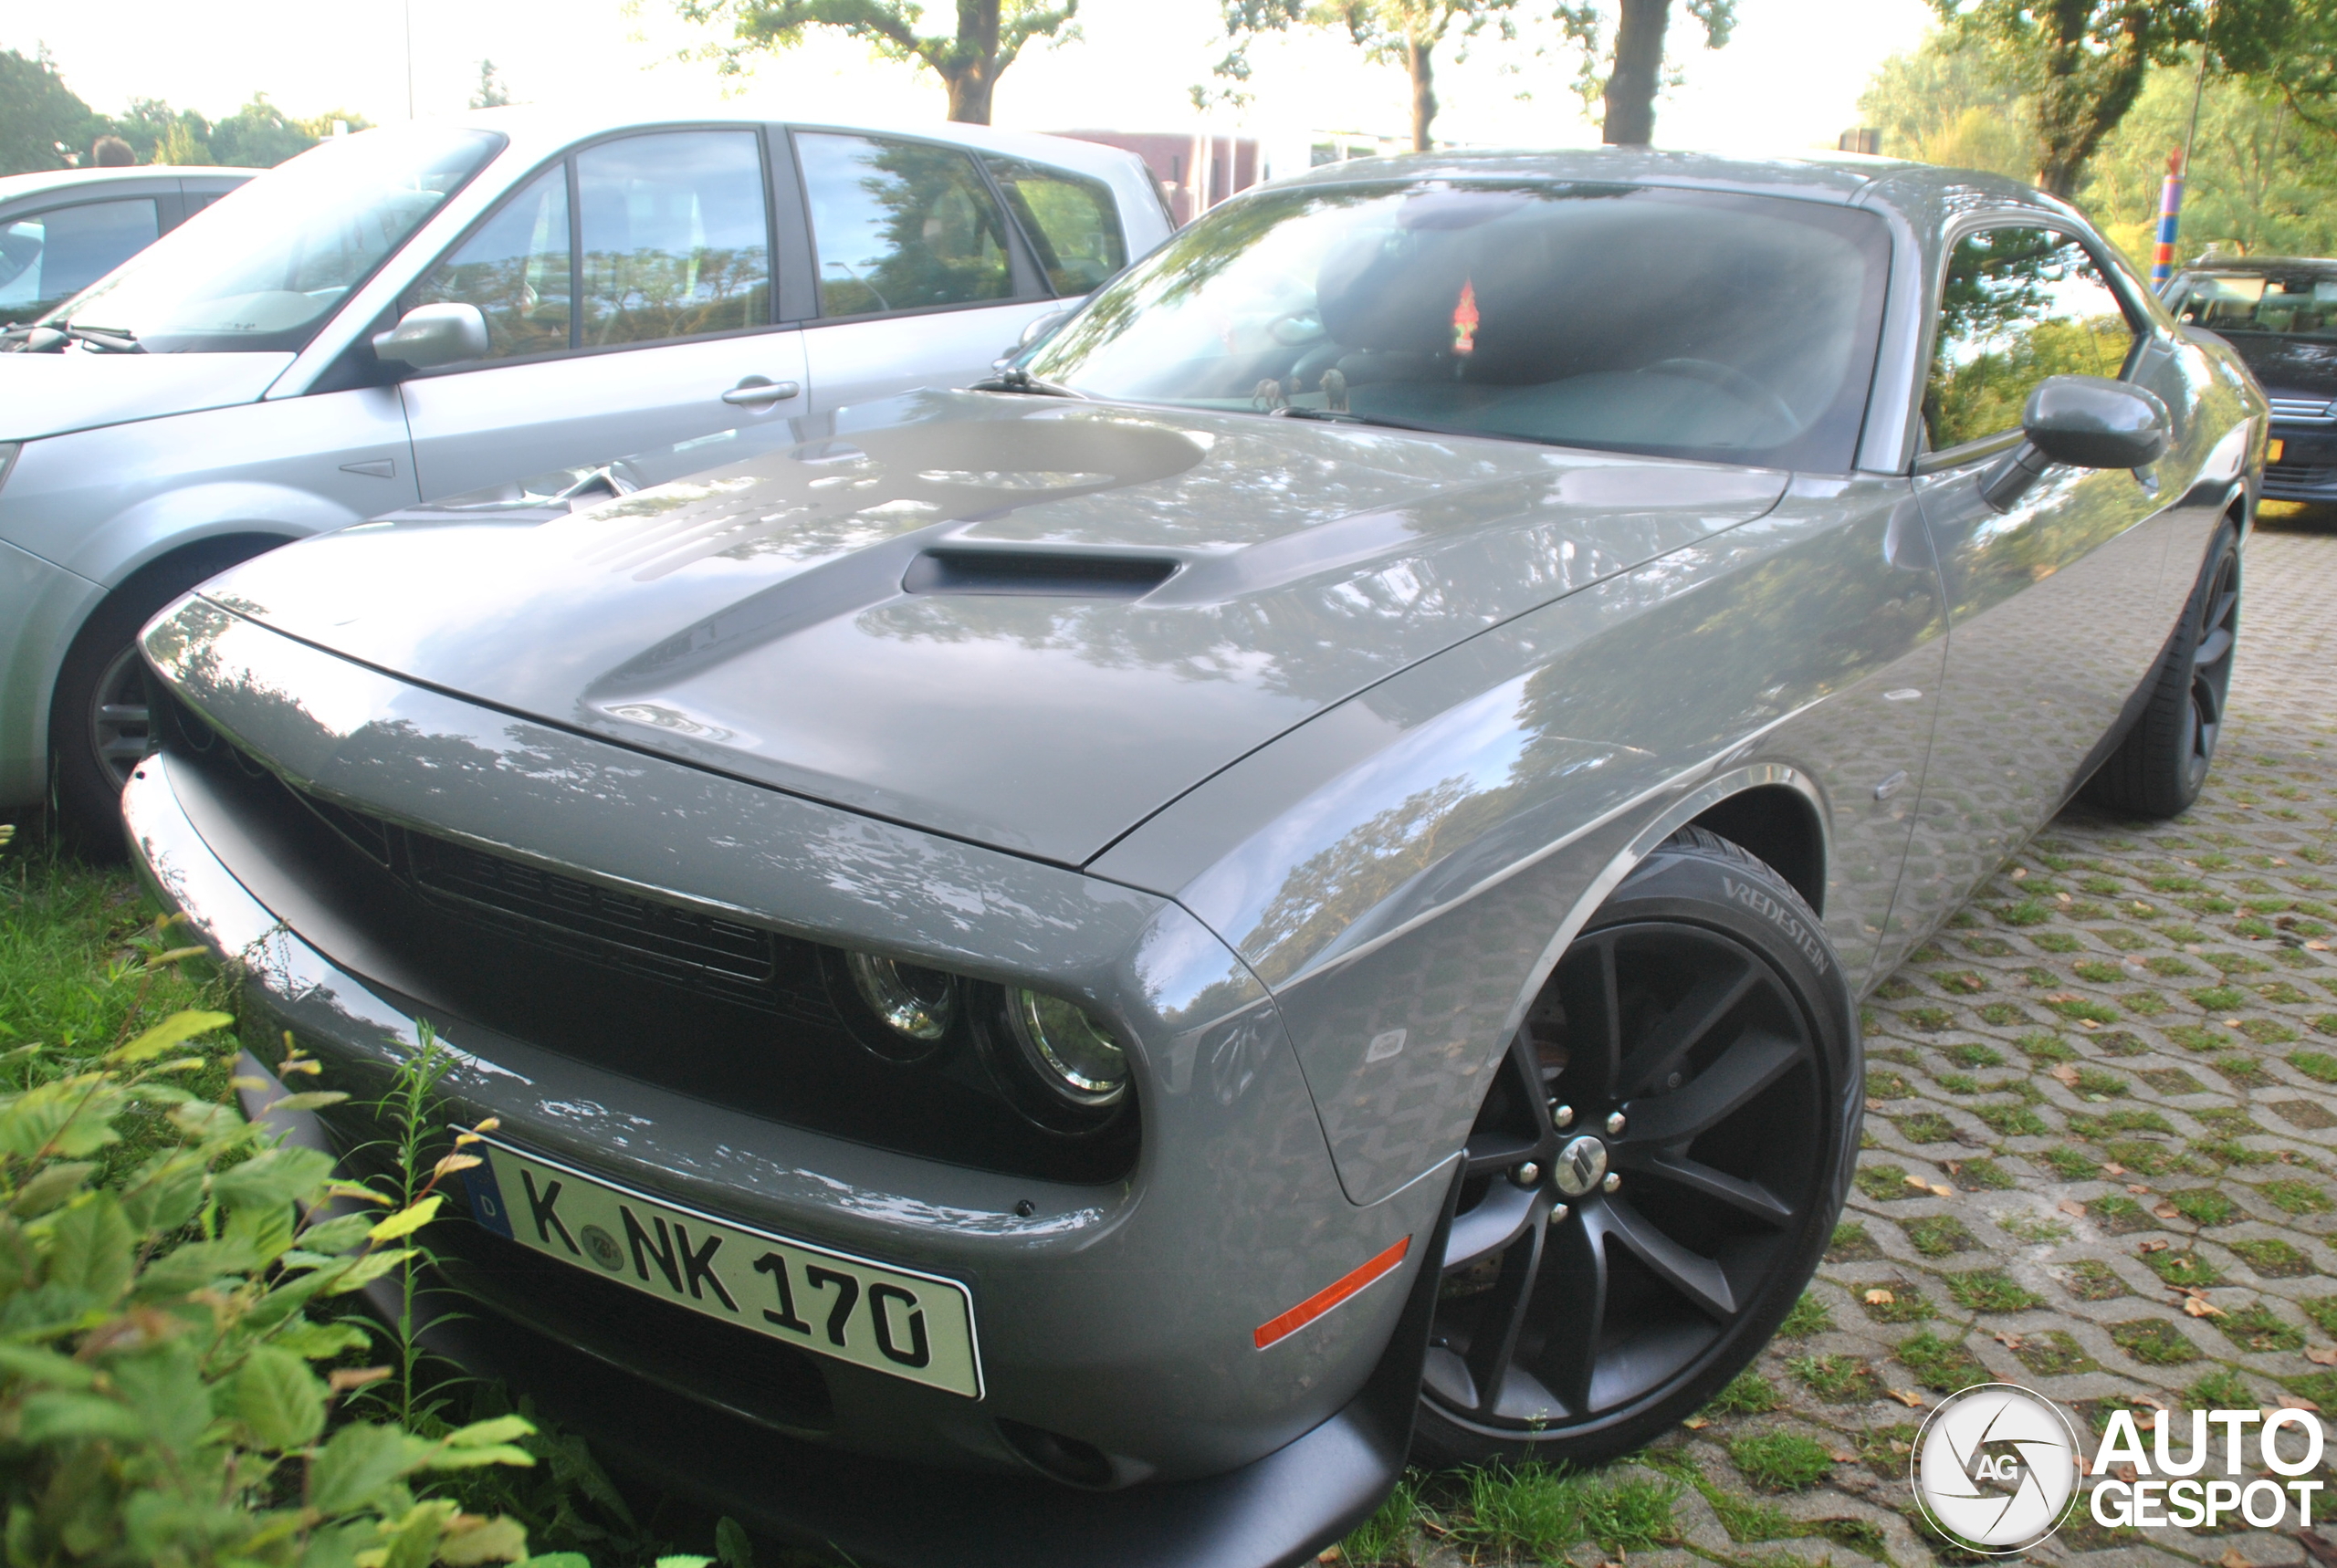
970,93
1639,61
1418,55
2087,92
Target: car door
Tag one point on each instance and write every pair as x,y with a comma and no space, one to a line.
627,290
2056,609
923,281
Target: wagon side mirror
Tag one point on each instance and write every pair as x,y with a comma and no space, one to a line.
1037,331
2086,421
429,336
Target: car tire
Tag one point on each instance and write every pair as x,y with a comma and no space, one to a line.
98,714
1703,1009
2162,765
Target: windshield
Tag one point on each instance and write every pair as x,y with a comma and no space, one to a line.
2303,306
1676,323
262,268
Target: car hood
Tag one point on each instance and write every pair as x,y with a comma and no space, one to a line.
1023,620
2289,367
53,394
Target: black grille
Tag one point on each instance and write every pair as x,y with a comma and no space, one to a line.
683,997
643,935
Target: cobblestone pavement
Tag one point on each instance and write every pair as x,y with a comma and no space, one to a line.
2100,1135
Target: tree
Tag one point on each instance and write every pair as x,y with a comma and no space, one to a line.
2084,61
1389,32
37,112
492,93
1956,104
161,134
1635,62
991,34
259,136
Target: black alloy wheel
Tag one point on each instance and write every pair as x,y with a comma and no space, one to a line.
1654,1172
2162,764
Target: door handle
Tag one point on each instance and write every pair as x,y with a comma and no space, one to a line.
754,392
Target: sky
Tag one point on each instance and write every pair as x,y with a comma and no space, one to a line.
1789,81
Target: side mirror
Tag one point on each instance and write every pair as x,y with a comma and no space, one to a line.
2086,421
1036,331
429,336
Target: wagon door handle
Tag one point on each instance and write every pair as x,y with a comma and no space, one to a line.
754,392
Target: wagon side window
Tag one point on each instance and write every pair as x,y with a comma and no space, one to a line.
2016,304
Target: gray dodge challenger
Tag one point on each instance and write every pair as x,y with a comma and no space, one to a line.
1071,970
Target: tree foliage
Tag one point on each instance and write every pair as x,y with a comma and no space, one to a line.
1622,58
989,35
2083,63
1389,32
37,112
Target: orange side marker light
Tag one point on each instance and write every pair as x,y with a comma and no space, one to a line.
1330,1296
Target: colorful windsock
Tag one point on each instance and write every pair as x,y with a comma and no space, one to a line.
2170,215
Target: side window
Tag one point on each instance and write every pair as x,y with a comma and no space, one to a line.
1073,222
901,226
2018,305
515,270
677,236
46,258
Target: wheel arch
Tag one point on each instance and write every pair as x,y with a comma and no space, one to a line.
217,552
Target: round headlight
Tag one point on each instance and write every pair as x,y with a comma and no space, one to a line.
912,1001
1075,1055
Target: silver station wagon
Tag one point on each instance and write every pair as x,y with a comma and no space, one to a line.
428,308
1070,970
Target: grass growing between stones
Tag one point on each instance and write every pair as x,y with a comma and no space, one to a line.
1781,1461
1538,1513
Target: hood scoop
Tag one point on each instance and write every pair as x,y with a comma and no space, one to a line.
1037,574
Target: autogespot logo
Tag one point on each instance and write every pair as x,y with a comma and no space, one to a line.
1997,1468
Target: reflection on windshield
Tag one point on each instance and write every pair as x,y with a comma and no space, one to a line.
262,268
1736,329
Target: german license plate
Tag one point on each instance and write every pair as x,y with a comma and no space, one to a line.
911,1325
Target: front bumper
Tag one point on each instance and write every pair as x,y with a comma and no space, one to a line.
2307,470
902,1474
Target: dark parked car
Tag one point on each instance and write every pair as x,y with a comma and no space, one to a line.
1070,969
61,232
2281,313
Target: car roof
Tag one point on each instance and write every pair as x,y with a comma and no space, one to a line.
52,181
539,131
1919,190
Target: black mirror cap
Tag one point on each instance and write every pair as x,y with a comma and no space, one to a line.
2093,422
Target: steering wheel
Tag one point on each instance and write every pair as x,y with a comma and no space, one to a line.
1732,380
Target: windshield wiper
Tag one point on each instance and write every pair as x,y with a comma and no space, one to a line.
1019,380
46,340
1343,416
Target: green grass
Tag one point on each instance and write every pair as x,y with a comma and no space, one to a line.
2045,1049
2093,1080
2013,1121
2070,1164
1540,1514
1781,1461
2255,1327
1387,1533
2183,1270
2203,1206
1985,1174
2092,1280
1938,1235
1941,1365
1809,1315
1850,1244
2222,1389
2154,1342
2053,1354
2273,1257
1972,1053
2322,1311
1926,1127
2291,1197
1837,1379
1749,1518
2315,1065
1749,1394
1906,1305
1886,1184
1991,1291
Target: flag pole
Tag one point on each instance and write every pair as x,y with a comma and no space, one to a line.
2178,168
